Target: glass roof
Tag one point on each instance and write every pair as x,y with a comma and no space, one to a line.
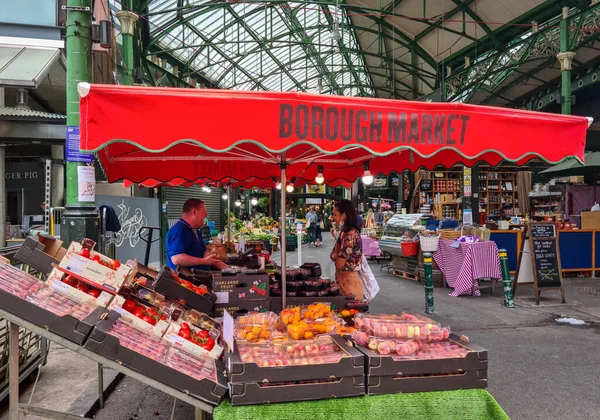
257,46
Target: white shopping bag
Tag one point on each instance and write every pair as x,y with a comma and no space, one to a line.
370,285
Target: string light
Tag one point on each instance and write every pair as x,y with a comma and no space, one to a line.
367,178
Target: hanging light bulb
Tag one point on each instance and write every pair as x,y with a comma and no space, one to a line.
335,32
238,203
367,178
254,201
319,179
290,187
278,186
224,196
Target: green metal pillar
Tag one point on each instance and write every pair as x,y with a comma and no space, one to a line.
80,219
566,58
127,19
506,280
428,281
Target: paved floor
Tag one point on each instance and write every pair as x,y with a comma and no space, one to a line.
538,369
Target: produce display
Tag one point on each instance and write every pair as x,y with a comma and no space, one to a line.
291,353
147,313
197,336
401,327
60,305
145,344
201,290
438,350
72,281
386,346
112,264
203,321
198,368
17,282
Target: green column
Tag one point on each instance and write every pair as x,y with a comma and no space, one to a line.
506,280
80,219
127,19
566,58
428,281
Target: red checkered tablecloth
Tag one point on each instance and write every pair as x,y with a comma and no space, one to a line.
465,265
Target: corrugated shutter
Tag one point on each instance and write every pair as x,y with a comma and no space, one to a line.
177,196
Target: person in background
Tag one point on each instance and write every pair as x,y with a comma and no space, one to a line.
185,247
360,221
319,231
347,252
312,226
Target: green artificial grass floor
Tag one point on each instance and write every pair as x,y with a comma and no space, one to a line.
465,404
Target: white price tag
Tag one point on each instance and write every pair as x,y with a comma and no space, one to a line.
222,297
77,264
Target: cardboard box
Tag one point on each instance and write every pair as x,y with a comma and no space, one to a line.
167,286
92,272
41,254
264,393
241,307
337,302
577,179
195,350
158,330
388,375
107,345
241,287
54,281
351,364
590,220
68,327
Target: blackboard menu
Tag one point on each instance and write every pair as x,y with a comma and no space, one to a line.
545,257
542,231
426,185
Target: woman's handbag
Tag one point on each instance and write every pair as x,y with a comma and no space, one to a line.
370,285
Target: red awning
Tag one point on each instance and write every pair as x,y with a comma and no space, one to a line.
166,134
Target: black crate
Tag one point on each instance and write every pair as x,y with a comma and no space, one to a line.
264,393
241,307
350,365
385,375
167,286
241,287
107,345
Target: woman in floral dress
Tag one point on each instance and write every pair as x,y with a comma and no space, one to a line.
347,252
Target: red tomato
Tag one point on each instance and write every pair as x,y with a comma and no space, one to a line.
94,292
148,319
153,310
70,280
209,344
85,253
129,305
184,333
163,317
96,258
83,287
139,311
116,264
203,334
185,326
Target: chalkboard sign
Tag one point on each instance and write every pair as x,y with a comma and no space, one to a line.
542,230
426,185
545,259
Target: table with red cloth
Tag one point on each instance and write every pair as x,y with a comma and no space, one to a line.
370,247
464,266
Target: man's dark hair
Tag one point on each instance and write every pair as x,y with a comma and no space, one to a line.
191,204
351,222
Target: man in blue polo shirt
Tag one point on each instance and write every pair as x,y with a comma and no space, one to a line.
185,246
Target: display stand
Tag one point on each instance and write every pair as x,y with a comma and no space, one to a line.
15,408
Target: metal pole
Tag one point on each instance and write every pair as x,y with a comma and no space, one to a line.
13,371
2,196
283,234
506,280
101,384
228,213
299,236
80,219
566,58
428,281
